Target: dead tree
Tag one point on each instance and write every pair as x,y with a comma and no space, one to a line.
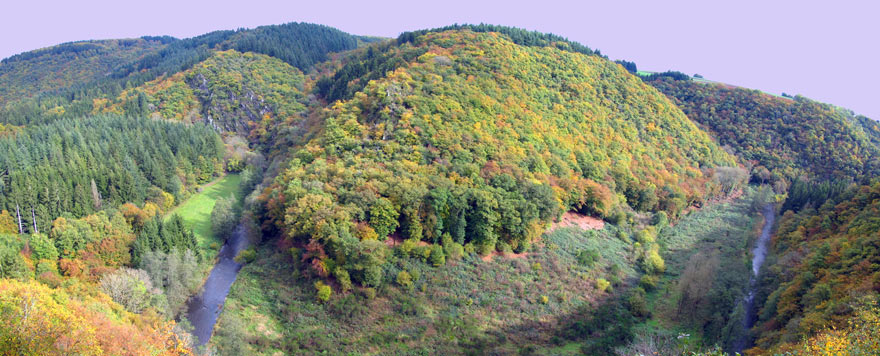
17,213
34,217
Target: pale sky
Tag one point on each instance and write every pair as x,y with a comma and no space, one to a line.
825,50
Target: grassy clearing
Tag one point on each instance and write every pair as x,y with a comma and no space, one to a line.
501,306
196,211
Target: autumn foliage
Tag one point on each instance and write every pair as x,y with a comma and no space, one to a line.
827,264
38,320
486,140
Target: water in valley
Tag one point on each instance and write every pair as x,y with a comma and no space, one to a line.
759,254
204,308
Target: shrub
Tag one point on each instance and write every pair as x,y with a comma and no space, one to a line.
424,253
647,235
522,246
603,285
648,282
343,278
370,293
246,256
438,258
637,304
588,258
623,236
544,299
469,248
404,279
503,247
486,248
661,219
373,276
323,291
536,266
653,263
453,250
617,218
408,247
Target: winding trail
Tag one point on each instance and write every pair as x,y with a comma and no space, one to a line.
204,307
759,254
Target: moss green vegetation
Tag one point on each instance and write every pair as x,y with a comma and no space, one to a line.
196,211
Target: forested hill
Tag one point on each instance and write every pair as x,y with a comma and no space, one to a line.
485,141
49,69
788,136
300,45
359,68
230,91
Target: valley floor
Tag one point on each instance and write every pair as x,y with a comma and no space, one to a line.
470,306
502,305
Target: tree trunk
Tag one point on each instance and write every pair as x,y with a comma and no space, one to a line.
96,196
34,216
17,213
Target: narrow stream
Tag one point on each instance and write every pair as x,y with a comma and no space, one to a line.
759,253
204,308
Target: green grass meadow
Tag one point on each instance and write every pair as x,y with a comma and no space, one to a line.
196,211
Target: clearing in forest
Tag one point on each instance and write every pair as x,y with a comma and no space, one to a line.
196,211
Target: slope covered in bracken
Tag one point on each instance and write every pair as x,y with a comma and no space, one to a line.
483,141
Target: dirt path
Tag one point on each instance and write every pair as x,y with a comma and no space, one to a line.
574,219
